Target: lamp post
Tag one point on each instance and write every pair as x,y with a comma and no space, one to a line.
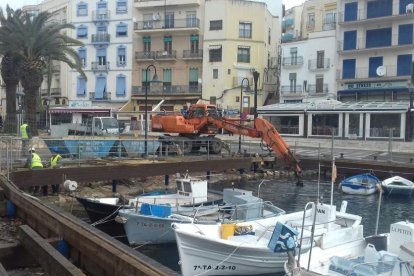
154,79
241,103
255,79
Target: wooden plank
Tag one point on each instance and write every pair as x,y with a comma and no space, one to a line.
118,258
27,178
52,262
3,271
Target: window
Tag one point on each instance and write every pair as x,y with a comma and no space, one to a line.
214,53
403,6
121,30
166,79
213,100
243,54
82,9
245,29
405,34
320,59
378,38
101,56
269,36
246,104
348,68
404,65
121,6
81,86
146,40
100,88
374,63
319,84
294,55
350,40
292,79
216,25
168,44
351,11
215,73
169,20
120,85
121,56
379,8
311,21
191,19
194,43
193,80
82,32
330,17
82,56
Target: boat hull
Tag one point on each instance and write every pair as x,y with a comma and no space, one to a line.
390,190
360,184
358,189
397,185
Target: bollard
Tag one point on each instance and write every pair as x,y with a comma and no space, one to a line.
342,155
114,183
63,248
166,180
10,209
208,175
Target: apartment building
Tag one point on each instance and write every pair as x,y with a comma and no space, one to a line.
376,47
240,37
308,56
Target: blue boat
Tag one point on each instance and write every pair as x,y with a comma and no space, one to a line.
361,184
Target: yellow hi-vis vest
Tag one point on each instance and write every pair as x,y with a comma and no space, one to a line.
23,131
36,161
54,161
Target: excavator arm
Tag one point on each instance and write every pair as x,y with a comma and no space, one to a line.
265,130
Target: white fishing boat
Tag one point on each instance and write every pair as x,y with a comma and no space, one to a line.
361,184
380,255
151,223
212,250
398,185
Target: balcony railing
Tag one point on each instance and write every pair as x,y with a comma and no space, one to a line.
193,54
329,26
315,90
53,92
291,90
391,72
145,55
101,15
319,65
106,96
101,38
166,54
160,3
175,90
95,66
397,11
361,44
168,24
292,61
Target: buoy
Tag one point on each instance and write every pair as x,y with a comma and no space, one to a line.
63,248
70,185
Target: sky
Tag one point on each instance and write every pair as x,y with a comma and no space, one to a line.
15,4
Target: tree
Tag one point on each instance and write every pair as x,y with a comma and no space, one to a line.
35,41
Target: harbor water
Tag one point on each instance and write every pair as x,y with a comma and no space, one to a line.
285,194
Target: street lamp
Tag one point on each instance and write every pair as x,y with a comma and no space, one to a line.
241,103
20,95
255,79
154,79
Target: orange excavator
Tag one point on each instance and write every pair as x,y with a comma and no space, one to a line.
198,127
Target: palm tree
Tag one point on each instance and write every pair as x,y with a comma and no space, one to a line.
10,68
35,41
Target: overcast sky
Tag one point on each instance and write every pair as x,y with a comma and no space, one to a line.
15,4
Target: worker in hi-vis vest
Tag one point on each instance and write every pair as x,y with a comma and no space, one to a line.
55,162
26,135
34,162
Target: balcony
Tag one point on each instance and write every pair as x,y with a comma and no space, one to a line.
291,91
292,61
319,65
97,67
390,43
375,16
101,38
106,96
367,74
193,54
318,90
145,55
142,4
101,16
173,90
328,25
154,26
165,55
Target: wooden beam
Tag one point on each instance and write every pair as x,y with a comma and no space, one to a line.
3,271
27,178
52,262
13,256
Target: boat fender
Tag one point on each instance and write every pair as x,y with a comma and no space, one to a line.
120,220
344,205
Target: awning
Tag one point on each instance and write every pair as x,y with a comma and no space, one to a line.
79,110
350,91
214,47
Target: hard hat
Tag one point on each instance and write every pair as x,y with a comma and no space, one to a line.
32,149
